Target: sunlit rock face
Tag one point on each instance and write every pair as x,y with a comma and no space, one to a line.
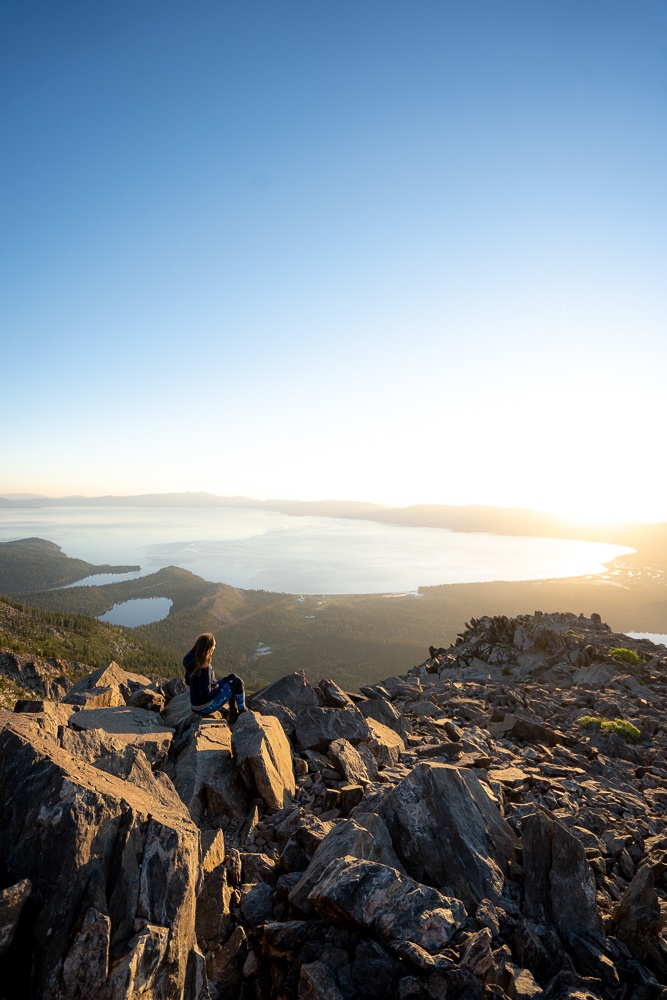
489,824
114,874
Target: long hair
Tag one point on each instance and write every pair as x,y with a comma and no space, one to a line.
203,650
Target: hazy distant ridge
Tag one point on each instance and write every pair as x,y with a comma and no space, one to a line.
495,520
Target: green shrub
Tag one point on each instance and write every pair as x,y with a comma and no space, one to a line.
626,656
626,729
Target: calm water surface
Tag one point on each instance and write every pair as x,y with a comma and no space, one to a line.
302,555
141,611
657,637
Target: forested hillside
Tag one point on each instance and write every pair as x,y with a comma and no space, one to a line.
78,639
35,564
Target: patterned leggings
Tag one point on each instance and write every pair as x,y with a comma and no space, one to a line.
224,692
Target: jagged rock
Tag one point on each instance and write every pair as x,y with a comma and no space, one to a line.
88,744
487,915
233,866
477,955
382,711
453,732
378,898
85,970
213,915
179,710
637,914
100,689
408,688
333,695
133,726
212,850
285,716
264,758
207,778
597,675
318,982
349,762
78,834
317,727
559,883
350,797
33,726
284,939
148,698
448,832
12,901
131,764
224,964
386,744
423,707
256,903
293,820
531,949
293,691
47,678
138,682
570,986
590,960
370,841
299,849
257,867
50,715
614,745
514,727
522,985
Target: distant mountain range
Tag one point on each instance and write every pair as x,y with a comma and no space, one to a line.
323,508
475,518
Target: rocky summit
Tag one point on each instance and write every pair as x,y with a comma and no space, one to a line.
490,824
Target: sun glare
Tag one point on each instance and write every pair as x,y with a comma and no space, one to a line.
601,511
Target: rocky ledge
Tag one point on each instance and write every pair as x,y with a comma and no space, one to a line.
491,824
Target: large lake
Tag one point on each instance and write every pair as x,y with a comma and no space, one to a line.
301,555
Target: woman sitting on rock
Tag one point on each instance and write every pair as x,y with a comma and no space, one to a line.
206,694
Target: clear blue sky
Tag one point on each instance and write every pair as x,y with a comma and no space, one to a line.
400,252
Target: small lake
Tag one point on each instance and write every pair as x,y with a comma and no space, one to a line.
264,550
141,611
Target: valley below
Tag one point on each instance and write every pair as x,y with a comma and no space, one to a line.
354,638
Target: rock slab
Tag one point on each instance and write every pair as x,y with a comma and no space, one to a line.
264,757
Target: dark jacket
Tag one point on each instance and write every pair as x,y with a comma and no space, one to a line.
203,685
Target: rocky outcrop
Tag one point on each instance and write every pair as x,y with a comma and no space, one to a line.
449,832
317,727
113,875
489,825
379,899
102,688
206,777
45,678
128,726
263,754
